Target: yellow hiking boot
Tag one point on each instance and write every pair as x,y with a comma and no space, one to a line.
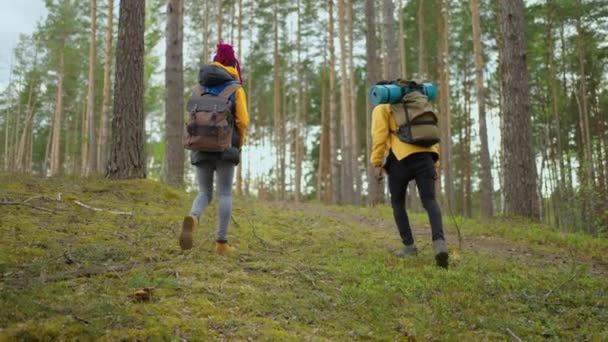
186,236
223,248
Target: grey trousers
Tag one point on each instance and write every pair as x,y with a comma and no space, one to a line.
225,175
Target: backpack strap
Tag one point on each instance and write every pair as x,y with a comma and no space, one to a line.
197,91
229,90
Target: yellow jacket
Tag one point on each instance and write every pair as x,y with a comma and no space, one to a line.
241,115
383,140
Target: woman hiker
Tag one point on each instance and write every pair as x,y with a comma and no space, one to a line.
223,73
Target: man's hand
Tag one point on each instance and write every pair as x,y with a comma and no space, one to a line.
378,172
435,175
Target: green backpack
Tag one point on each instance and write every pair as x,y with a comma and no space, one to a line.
416,120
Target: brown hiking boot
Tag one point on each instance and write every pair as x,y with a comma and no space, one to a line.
186,236
223,248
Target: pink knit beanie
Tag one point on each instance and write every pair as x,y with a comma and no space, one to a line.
225,55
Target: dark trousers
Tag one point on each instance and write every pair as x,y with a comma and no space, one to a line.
418,166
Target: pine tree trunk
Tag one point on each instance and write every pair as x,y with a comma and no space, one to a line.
423,71
15,130
102,151
487,188
20,160
127,152
239,168
391,42
467,160
587,144
558,153
277,110
6,141
520,177
333,118
373,76
353,123
47,152
232,20
564,51
298,126
347,156
84,139
220,17
92,148
206,32
402,52
324,172
56,137
174,100
7,119
444,105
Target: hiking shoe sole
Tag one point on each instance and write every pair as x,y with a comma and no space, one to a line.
442,259
185,238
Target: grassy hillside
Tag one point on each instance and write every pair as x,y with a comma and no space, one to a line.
302,272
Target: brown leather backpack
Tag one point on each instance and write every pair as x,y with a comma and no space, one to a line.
211,123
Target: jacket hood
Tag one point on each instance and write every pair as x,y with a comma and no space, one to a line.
215,74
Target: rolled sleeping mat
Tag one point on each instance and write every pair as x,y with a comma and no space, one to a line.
430,91
386,93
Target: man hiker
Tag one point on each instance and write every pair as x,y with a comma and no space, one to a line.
404,162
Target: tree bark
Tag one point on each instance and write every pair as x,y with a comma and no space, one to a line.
353,123
102,151
324,172
347,155
444,105
558,151
333,119
299,124
92,148
174,95
391,42
487,187
239,168
84,139
402,52
127,152
587,144
220,15
372,76
520,175
20,160
423,71
56,137
6,119
206,32
279,127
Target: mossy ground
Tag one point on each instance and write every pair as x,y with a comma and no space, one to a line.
302,272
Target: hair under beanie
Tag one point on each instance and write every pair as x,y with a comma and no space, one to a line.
225,55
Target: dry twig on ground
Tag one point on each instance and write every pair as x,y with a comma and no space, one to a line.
115,212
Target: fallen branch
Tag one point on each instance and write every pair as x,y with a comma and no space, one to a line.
262,241
80,319
560,285
115,212
42,197
306,276
513,335
25,204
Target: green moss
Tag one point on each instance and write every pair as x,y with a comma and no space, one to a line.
302,272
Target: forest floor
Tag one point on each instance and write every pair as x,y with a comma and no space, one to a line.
301,272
